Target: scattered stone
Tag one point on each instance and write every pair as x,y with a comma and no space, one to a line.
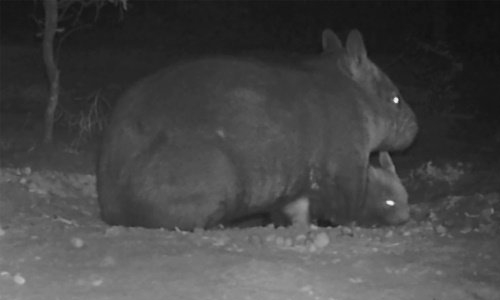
93,280
220,241
346,230
77,242
356,280
312,248
300,239
270,238
440,229
198,230
336,261
107,261
18,279
321,240
255,240
113,231
307,289
313,227
26,171
96,281
288,242
280,241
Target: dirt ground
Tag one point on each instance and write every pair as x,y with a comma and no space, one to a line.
54,246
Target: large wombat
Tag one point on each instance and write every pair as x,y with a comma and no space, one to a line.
209,140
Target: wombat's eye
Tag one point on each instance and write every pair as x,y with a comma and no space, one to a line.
396,100
390,202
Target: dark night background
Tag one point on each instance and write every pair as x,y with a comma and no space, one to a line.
443,55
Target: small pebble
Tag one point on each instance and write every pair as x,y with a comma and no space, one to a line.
441,229
108,261
97,282
336,260
92,280
113,231
270,238
288,242
312,248
19,279
77,242
255,240
27,171
345,230
300,238
307,289
198,230
313,227
280,241
321,240
220,241
5,274
356,280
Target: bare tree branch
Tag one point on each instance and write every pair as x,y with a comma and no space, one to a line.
57,11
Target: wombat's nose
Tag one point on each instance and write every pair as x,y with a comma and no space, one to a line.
402,216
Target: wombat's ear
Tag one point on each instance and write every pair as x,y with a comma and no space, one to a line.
331,42
355,45
386,162
356,62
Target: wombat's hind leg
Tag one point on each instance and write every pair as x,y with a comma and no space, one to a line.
181,186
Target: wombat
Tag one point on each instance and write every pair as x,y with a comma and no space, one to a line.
386,203
212,139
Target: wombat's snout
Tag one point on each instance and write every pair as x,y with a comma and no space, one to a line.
400,216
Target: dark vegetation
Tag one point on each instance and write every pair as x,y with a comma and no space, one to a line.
447,52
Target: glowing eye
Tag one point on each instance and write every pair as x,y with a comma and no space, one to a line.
390,202
395,100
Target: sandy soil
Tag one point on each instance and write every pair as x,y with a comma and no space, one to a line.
53,246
